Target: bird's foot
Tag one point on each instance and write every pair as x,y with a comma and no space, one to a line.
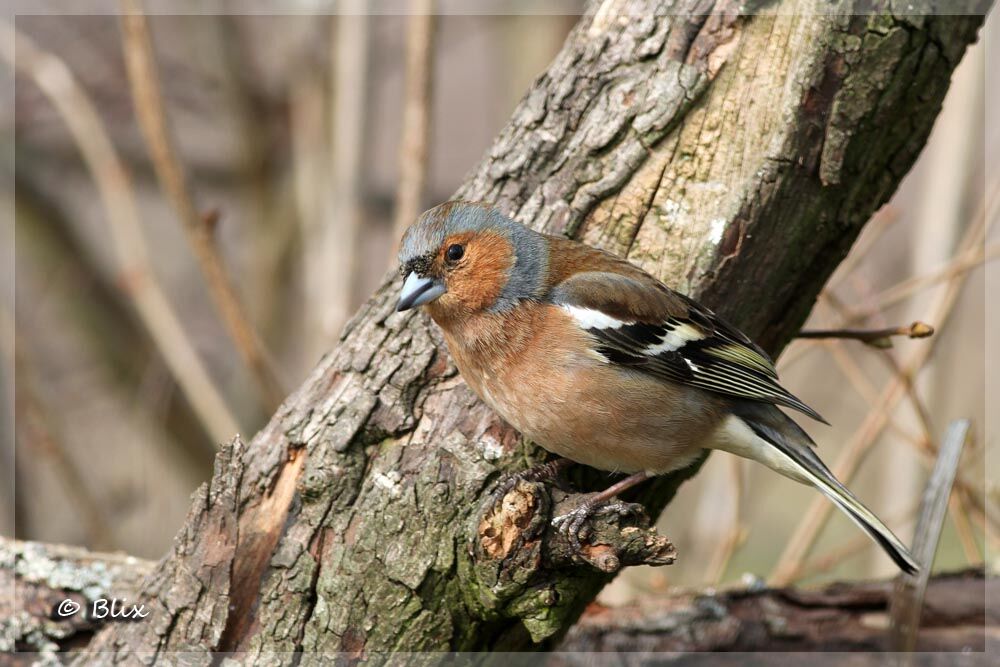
540,473
572,523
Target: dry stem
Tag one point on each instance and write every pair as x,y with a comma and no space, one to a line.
34,422
416,115
880,338
736,532
57,82
148,100
865,437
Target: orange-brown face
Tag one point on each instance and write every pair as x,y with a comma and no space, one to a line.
462,258
473,267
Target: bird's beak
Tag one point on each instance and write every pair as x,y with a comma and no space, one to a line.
417,291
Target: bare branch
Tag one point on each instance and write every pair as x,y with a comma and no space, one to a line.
736,533
149,106
34,424
57,82
416,115
867,434
908,599
880,338
331,247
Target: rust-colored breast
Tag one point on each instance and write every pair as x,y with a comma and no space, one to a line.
541,373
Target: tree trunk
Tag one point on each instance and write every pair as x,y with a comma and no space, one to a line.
735,157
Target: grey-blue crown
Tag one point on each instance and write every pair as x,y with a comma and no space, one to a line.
423,240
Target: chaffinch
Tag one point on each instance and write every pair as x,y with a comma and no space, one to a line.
600,363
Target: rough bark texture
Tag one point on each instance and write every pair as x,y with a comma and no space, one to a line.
840,617
35,578
734,157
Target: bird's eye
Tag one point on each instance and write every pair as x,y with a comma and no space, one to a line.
454,252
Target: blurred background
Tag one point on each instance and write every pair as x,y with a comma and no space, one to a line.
306,141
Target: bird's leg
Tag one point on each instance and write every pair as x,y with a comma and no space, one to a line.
604,502
539,473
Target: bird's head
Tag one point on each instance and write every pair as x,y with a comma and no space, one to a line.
465,257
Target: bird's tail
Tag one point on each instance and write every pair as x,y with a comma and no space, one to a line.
764,433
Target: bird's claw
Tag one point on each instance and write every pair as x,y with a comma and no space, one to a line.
571,523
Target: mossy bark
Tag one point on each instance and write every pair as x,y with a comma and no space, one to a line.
841,617
735,157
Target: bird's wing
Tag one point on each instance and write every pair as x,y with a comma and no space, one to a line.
640,323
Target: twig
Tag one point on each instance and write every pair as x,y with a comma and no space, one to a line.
306,124
963,263
107,321
33,421
957,509
59,85
416,116
880,338
735,534
963,503
148,101
880,223
908,597
852,546
331,249
266,188
901,291
850,458
924,446
865,388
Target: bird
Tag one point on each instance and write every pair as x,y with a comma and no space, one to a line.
600,363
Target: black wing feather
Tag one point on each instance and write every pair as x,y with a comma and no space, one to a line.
688,343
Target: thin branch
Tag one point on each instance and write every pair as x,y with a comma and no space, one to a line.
415,139
148,101
923,445
59,85
266,187
880,338
106,319
852,371
880,223
851,547
34,423
331,249
910,589
956,503
903,290
854,546
736,533
308,148
864,438
966,501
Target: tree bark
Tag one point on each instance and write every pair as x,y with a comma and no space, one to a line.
735,157
840,617
35,578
